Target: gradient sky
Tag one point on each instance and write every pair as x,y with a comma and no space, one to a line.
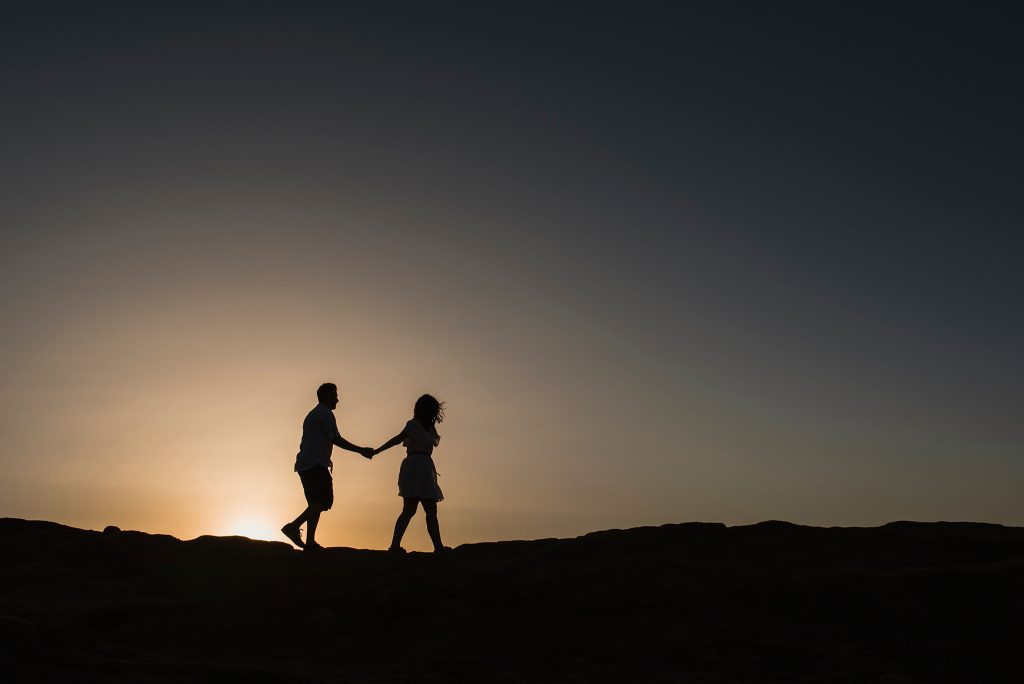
745,262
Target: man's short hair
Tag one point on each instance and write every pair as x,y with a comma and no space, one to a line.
326,391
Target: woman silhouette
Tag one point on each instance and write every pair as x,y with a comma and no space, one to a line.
417,478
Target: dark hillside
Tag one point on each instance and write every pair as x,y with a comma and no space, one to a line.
695,602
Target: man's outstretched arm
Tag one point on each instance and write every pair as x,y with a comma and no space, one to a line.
365,452
332,426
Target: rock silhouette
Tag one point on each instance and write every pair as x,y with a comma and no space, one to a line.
694,602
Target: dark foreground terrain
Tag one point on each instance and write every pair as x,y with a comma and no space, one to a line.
773,602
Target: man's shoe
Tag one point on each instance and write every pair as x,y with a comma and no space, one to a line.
313,547
294,534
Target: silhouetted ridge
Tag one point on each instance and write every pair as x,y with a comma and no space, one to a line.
771,602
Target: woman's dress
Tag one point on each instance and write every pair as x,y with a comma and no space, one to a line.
417,478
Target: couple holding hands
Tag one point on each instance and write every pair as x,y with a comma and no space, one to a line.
417,478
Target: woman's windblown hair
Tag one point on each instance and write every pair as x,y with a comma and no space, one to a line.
428,411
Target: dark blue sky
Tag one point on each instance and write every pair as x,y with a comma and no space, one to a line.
804,218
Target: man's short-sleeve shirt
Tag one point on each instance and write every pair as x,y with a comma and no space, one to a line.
319,435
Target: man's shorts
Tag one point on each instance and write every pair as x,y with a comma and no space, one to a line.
318,487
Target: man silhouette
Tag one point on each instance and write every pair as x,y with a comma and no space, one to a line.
313,464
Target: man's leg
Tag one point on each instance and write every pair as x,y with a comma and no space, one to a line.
318,487
408,510
292,531
303,517
312,518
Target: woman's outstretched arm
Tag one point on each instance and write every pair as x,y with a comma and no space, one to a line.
397,439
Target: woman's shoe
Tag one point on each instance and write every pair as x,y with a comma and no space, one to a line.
313,547
396,550
443,549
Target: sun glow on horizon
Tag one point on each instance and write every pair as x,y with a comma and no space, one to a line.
251,525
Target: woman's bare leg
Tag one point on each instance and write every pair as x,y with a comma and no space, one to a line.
408,510
433,527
